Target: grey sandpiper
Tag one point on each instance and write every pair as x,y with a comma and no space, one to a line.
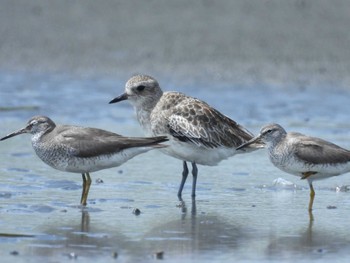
310,158
198,133
83,150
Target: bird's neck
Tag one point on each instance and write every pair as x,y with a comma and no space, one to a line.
276,145
144,118
38,137
144,111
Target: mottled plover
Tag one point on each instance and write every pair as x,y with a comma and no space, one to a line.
198,133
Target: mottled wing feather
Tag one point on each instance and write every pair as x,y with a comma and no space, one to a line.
89,142
181,129
195,121
317,151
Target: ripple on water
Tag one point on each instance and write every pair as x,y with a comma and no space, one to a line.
15,169
62,184
25,209
5,195
21,154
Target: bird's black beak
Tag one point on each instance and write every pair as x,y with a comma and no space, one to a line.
121,97
246,144
24,130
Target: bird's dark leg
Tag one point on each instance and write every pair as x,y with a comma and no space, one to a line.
194,183
183,180
83,190
312,196
86,188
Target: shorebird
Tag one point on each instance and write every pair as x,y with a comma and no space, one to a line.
307,157
82,150
197,132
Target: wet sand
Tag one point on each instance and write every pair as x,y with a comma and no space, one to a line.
245,210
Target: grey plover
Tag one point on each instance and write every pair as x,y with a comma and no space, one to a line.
83,150
308,157
198,133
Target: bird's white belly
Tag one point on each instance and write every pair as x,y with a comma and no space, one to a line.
321,170
75,164
190,152
200,155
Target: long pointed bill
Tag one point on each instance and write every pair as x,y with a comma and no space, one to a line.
244,145
121,97
24,130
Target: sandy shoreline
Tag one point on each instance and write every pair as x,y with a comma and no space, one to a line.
242,42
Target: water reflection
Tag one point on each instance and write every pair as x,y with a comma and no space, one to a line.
195,233
85,221
81,239
312,241
184,209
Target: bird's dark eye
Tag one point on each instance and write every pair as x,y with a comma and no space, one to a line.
269,131
141,88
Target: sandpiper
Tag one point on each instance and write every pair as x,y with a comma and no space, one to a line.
197,132
308,157
83,150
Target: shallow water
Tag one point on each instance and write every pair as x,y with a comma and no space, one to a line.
245,209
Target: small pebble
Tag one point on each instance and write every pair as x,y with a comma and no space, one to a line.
115,255
72,255
99,181
14,253
136,211
120,171
331,207
159,255
181,204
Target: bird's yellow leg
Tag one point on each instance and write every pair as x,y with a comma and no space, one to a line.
311,218
86,188
312,196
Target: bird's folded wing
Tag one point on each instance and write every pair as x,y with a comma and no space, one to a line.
89,142
207,128
318,151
